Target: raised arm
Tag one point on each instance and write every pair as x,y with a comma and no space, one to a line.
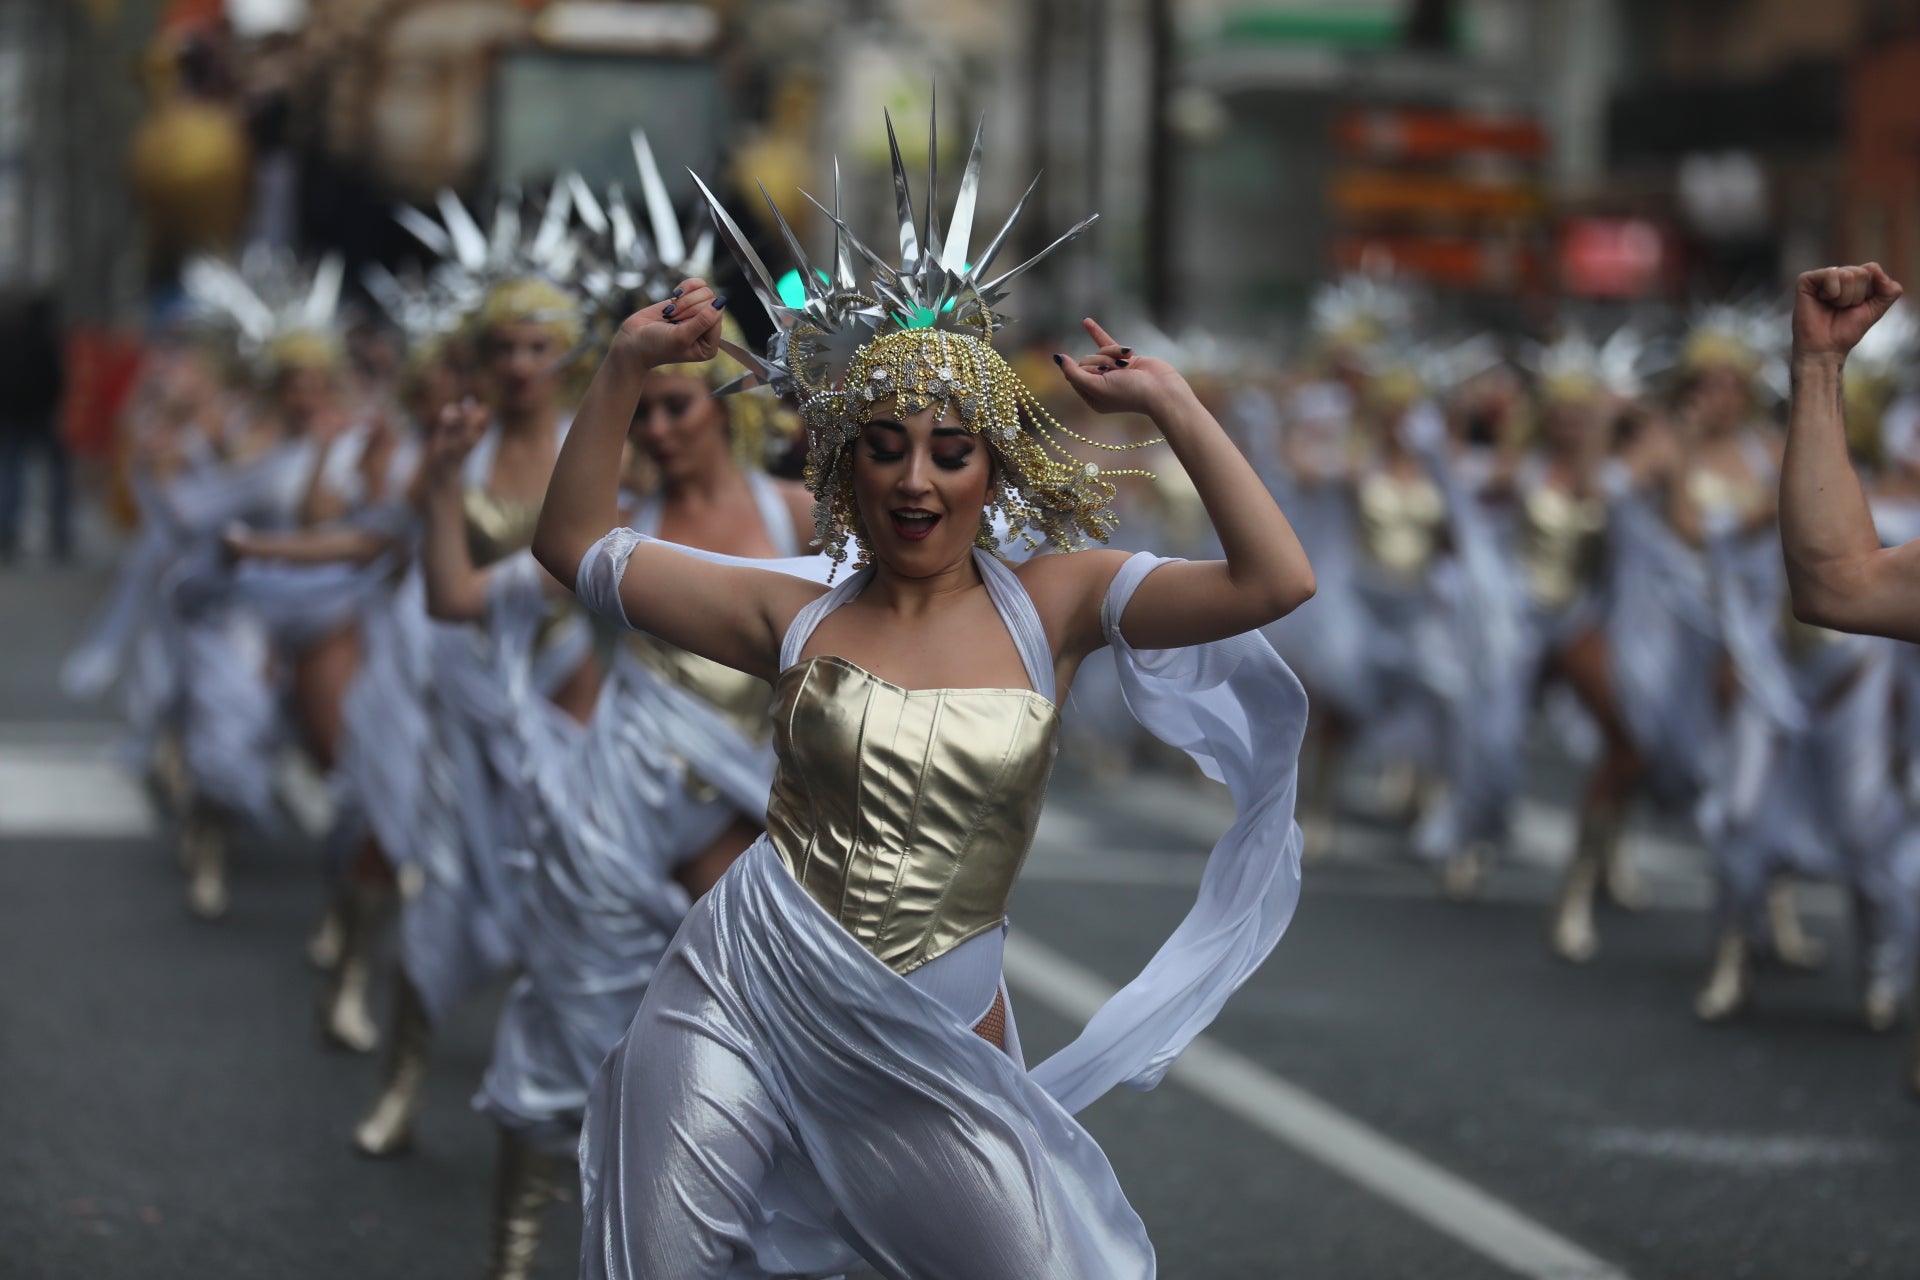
1839,574
732,614
1265,574
456,589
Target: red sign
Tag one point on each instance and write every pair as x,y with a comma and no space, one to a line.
1612,257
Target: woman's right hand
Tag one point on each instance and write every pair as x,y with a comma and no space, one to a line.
453,437
683,329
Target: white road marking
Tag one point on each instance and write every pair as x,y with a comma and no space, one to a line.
1238,1085
1764,1153
68,786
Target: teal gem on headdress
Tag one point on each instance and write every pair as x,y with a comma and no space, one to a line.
923,317
793,288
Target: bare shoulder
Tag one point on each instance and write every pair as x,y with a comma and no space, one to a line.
1053,570
1068,588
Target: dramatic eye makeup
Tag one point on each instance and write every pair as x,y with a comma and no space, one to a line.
884,438
952,448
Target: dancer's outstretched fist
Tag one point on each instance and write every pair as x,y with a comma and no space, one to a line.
1835,306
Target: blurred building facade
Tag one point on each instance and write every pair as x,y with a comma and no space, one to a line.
1238,150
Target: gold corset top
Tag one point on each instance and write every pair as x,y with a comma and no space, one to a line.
1560,538
906,814
743,699
1400,522
497,527
1717,491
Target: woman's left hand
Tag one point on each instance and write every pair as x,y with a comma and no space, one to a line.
1114,380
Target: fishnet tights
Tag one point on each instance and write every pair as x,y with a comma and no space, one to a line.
993,1027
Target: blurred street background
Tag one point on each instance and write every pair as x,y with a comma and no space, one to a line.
1413,1086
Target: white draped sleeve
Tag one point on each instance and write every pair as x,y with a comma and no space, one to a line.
1238,711
597,582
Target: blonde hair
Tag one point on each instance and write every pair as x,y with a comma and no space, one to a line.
531,300
304,349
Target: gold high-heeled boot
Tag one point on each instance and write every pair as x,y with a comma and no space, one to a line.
1463,874
1573,934
1791,945
170,776
325,943
1726,989
525,1182
388,1128
1880,1005
345,1019
1621,879
203,851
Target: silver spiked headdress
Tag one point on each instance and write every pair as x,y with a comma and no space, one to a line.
273,305
630,264
939,283
1574,364
1750,335
634,261
918,332
473,262
1361,309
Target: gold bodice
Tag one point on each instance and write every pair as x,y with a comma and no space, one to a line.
1714,491
743,699
497,527
1400,522
906,814
1560,542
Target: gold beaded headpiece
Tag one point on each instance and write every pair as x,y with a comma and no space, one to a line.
920,334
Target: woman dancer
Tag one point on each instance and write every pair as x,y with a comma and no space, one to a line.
1690,628
804,1085
641,812
1560,490
382,736
471,830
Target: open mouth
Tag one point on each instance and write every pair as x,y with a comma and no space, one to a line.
912,523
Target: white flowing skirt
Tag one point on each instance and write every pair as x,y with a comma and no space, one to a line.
786,1105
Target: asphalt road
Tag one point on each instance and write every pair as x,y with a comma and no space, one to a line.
1409,1088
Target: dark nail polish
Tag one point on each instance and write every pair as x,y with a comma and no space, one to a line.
678,292
669,309
719,304
1126,351
1121,363
1060,360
